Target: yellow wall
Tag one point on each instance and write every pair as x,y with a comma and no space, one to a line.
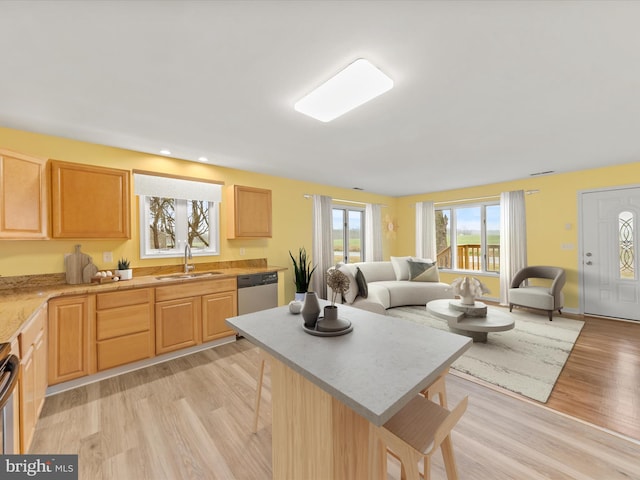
552,213
552,218
292,213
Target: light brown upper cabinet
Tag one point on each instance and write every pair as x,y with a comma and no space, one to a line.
23,193
89,201
249,212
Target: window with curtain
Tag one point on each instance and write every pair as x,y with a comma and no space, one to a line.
468,237
348,234
175,212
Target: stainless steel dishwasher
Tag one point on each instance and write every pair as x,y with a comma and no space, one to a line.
258,291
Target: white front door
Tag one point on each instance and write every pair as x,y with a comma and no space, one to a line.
610,222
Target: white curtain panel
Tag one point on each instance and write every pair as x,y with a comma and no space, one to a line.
513,239
322,244
372,233
426,230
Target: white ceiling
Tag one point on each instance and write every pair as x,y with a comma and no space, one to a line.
485,91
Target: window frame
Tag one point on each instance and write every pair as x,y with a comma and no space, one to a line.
345,230
452,233
181,228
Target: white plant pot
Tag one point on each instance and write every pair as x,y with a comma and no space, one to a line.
125,274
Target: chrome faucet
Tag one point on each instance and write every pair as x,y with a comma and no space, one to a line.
187,257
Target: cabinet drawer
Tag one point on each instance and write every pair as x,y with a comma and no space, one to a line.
124,298
195,289
123,350
31,331
116,322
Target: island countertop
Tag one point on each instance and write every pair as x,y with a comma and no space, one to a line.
375,370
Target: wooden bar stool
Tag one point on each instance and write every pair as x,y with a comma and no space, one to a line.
256,413
416,431
437,388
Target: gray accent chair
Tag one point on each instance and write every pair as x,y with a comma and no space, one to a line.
539,297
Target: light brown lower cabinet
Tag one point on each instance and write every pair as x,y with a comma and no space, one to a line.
124,327
177,324
33,377
70,337
216,308
191,313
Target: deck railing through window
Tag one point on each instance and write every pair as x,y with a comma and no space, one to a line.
469,257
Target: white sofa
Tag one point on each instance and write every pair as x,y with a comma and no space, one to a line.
389,284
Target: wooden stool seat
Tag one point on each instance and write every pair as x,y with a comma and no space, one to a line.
416,431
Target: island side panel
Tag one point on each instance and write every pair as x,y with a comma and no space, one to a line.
314,435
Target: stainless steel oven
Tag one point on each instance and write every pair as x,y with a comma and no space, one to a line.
9,371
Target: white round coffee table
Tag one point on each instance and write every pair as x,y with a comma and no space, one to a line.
476,327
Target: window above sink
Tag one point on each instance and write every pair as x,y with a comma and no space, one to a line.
175,212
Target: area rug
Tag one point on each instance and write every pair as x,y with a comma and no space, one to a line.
526,360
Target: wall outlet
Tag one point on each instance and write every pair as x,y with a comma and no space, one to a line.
567,246
242,251
107,257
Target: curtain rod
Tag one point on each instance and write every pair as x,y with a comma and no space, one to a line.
307,196
489,197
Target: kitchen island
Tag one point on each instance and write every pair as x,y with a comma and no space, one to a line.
327,391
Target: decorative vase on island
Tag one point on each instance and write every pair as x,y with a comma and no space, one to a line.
310,310
330,312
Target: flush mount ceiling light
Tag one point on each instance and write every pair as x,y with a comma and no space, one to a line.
164,151
353,86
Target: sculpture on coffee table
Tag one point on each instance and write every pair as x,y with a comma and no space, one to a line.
468,288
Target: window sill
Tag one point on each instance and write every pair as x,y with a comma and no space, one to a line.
475,273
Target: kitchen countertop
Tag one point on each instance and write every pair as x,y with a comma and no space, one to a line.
18,305
375,370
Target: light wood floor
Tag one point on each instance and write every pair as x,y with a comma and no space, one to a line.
190,418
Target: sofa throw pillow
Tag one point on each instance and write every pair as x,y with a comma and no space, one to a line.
423,260
423,271
352,293
363,290
401,267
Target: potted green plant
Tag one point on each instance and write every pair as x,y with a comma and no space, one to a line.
302,271
124,272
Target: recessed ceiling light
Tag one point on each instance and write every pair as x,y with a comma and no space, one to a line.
164,151
203,159
358,83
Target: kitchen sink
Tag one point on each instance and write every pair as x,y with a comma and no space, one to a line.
179,276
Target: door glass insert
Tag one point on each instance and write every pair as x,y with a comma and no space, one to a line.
626,239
